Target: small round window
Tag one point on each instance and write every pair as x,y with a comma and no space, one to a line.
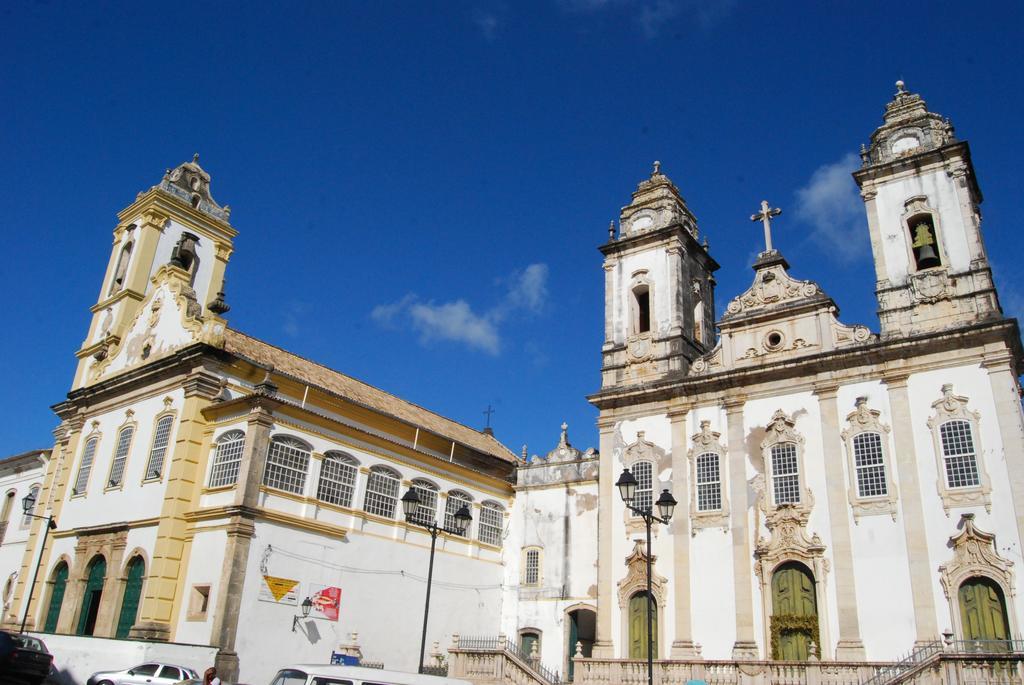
773,340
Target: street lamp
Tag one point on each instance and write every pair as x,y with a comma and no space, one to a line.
410,507
28,503
306,605
666,504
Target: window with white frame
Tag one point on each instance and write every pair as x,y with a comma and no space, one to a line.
426,510
709,482
85,467
287,464
381,491
643,471
337,479
531,566
456,500
785,473
124,443
869,462
491,518
227,459
709,503
958,454
26,520
871,488
161,438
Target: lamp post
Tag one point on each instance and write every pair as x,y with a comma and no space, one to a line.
666,504
306,605
28,503
410,506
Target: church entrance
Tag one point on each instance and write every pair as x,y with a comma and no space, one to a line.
983,610
638,607
794,621
582,629
92,595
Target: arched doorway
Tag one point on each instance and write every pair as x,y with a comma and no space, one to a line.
58,585
983,610
639,604
582,629
794,621
132,591
92,595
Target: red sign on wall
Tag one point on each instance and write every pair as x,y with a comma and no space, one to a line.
326,601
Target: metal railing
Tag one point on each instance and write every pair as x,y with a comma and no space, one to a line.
500,643
928,652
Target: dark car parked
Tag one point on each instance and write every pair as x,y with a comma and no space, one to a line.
23,659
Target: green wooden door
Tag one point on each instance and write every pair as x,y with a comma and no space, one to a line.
982,610
794,613
92,596
60,583
638,604
132,592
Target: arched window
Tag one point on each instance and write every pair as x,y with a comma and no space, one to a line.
639,605
490,527
92,596
643,471
34,491
8,507
381,491
287,464
529,641
531,566
426,512
134,575
794,621
958,454
456,500
785,473
227,459
983,611
121,270
337,479
161,438
124,444
642,308
924,241
698,321
85,467
58,585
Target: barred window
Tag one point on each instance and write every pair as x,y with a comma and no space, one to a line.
85,468
227,459
161,437
426,511
381,491
124,443
337,479
870,465
287,464
643,471
531,567
456,500
958,453
489,529
785,474
709,482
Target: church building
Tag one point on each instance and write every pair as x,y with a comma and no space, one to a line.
840,491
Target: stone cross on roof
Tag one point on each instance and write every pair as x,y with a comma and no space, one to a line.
765,216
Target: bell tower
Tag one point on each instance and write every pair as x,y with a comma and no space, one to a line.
659,288
922,200
175,222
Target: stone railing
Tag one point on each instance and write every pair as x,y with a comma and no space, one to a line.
496,661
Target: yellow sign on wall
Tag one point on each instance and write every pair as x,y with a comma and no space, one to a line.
279,590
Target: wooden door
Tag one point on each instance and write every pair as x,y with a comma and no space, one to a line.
638,604
794,613
132,592
60,583
92,596
982,610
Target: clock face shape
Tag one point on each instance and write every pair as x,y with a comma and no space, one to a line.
904,144
641,222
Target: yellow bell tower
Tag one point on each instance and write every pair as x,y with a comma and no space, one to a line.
176,221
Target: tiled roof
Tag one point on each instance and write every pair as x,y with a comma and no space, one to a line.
24,456
285,362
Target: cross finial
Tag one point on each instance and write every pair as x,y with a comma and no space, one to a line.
195,158
657,168
488,413
765,216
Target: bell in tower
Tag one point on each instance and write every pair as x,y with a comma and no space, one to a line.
659,288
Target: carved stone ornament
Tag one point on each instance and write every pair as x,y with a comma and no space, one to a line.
909,129
789,541
704,442
191,183
771,287
643,450
639,348
862,420
974,554
930,286
952,408
635,579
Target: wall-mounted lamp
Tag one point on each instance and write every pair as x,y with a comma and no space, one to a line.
306,605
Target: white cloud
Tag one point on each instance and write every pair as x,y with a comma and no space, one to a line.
652,16
294,316
456,321
831,205
488,23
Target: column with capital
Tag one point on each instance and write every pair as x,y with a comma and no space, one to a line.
682,644
604,648
745,646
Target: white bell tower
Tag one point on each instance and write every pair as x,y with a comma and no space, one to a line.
922,199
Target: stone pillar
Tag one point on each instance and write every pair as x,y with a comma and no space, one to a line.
921,573
742,556
1006,395
675,314
682,645
254,453
606,529
165,576
850,647
113,588
609,301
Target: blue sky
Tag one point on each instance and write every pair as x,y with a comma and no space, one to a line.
420,188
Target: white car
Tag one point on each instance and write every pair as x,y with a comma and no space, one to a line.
144,674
